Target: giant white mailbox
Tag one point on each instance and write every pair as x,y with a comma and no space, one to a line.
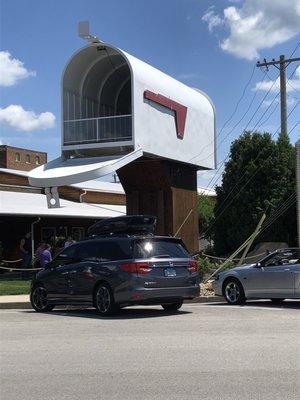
117,108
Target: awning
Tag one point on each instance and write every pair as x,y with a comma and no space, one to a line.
60,172
34,204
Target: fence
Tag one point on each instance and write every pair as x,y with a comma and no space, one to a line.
97,130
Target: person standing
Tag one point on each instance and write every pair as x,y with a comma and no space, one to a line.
45,256
25,252
69,241
38,252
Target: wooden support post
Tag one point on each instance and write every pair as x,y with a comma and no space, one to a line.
167,190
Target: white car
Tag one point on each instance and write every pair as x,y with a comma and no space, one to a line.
275,277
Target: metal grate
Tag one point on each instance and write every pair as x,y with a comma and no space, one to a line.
97,130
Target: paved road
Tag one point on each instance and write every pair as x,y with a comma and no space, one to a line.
207,351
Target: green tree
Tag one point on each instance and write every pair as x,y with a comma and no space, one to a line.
284,229
206,215
258,177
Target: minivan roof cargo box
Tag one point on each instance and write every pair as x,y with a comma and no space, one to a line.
129,224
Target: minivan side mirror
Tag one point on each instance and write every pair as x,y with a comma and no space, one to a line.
258,265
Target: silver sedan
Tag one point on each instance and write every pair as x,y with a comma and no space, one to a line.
275,277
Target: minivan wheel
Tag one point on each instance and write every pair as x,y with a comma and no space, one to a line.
104,300
172,306
233,292
39,300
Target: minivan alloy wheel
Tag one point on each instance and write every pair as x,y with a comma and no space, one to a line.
39,299
103,299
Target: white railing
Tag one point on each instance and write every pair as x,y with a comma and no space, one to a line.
97,130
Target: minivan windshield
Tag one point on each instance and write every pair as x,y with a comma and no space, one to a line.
160,248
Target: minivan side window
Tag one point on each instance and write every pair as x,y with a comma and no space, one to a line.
106,250
65,256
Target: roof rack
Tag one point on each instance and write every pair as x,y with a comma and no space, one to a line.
122,226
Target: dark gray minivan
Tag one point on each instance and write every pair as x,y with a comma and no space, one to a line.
110,271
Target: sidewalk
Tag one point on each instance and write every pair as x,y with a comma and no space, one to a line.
15,301
21,301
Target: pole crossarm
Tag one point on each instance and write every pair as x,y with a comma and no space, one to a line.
275,62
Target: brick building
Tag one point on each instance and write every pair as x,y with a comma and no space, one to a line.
21,159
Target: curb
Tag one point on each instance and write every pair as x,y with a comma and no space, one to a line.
211,299
26,305
21,306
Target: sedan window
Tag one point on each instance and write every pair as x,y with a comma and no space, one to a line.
282,258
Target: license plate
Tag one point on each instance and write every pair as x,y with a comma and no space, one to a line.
169,272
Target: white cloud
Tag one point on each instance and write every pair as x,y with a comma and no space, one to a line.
12,70
187,76
16,117
257,25
268,103
209,179
212,19
292,85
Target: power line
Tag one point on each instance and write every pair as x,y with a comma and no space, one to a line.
249,180
240,120
281,209
232,114
283,63
255,126
289,61
257,170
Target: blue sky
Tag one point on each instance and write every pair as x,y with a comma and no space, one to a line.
212,45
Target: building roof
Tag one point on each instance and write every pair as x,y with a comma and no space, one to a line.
35,204
100,186
14,172
206,192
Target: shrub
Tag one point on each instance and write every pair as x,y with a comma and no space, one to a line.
205,266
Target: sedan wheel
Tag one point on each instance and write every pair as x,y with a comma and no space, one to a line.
39,300
233,292
172,306
104,301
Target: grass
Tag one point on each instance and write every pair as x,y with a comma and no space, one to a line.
14,287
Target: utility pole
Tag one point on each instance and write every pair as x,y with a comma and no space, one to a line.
283,63
298,188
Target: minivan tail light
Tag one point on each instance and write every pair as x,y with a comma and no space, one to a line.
193,266
141,268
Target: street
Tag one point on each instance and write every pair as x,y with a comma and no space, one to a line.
206,351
